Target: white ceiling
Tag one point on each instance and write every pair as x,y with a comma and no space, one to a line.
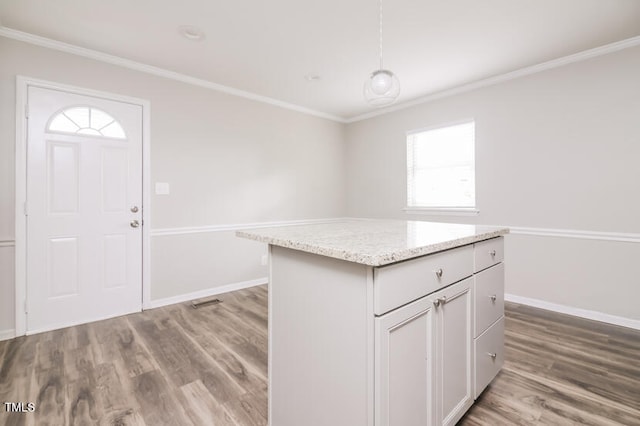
267,47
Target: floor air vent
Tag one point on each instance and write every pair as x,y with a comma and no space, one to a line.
200,303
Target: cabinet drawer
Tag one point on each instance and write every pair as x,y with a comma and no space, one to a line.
489,355
488,253
489,297
398,284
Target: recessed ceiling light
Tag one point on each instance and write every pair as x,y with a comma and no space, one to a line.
191,32
312,77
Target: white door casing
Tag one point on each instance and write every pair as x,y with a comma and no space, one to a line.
83,260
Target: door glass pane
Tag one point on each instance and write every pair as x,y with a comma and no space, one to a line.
100,119
113,130
61,123
79,115
86,121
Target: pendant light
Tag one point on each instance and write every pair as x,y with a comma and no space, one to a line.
382,87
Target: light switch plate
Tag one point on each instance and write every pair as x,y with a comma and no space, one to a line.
162,188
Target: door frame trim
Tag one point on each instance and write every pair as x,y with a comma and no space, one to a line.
22,85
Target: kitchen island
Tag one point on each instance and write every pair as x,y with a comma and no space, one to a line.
379,322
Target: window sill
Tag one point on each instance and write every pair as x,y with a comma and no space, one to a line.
442,211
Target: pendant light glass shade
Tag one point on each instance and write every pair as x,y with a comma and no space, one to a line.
381,88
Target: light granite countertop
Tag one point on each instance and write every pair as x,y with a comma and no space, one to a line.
373,242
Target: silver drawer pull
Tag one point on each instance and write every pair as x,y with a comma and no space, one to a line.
493,298
440,301
492,253
439,273
492,355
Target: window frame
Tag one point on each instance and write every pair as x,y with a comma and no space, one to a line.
440,210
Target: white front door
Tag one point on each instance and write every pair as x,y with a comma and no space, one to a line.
84,209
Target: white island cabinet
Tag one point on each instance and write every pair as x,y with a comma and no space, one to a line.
382,323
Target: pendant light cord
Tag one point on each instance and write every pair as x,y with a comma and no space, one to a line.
380,22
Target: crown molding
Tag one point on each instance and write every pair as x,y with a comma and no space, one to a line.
149,69
160,72
522,72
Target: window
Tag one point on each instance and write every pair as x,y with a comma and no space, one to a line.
86,121
441,168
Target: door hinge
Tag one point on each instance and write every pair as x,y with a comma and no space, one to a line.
26,111
24,207
26,311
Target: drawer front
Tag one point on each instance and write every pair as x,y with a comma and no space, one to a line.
488,253
398,284
489,297
489,355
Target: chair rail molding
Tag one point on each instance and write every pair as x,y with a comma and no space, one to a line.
160,232
625,237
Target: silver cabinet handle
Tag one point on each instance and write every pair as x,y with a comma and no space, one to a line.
492,253
134,223
439,273
134,209
492,355
493,298
440,301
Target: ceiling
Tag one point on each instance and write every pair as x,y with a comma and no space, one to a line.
268,47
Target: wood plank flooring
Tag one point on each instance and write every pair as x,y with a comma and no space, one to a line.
169,366
562,370
208,366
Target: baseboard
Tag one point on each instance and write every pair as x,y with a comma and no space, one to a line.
576,312
7,334
204,293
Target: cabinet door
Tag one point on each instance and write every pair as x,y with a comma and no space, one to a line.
404,366
454,343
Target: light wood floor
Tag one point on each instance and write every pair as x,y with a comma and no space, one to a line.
180,366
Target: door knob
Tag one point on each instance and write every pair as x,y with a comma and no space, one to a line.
439,273
134,209
134,223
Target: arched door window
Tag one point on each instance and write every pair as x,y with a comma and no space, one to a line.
85,120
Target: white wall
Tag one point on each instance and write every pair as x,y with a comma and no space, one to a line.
228,160
554,150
